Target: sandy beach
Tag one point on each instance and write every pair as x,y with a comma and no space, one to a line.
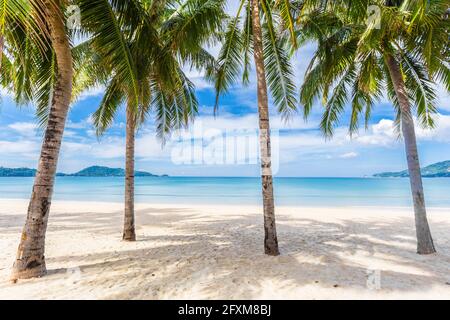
215,252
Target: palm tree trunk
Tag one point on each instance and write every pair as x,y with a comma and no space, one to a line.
30,261
424,240
270,240
128,227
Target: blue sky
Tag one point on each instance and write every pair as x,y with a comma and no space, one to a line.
298,146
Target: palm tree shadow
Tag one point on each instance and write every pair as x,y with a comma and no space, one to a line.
183,254
200,253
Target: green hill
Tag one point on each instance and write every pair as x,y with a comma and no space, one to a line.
94,171
17,172
436,170
98,171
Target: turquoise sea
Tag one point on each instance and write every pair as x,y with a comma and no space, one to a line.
288,191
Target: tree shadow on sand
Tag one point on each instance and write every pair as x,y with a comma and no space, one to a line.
221,256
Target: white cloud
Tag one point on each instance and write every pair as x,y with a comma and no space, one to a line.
349,155
383,133
79,125
148,147
295,142
24,128
250,121
197,77
20,148
92,92
6,93
440,133
379,134
310,143
443,98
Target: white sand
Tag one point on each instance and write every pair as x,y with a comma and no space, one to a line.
215,252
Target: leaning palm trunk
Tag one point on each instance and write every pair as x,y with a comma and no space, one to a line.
270,240
424,240
128,227
30,261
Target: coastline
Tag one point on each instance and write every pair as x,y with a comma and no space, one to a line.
336,209
193,251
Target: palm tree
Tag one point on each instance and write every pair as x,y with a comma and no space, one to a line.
163,38
404,57
30,261
259,34
43,72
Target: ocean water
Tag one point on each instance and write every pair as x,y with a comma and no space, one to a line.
288,191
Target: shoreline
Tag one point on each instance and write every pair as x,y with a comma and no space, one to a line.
245,205
216,252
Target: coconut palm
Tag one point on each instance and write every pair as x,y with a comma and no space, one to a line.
164,36
30,261
256,30
47,80
403,52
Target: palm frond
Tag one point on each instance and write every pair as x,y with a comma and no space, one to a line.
113,98
421,88
229,62
336,105
105,27
280,76
285,8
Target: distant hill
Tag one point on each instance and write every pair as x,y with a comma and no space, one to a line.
98,171
436,170
17,172
94,171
